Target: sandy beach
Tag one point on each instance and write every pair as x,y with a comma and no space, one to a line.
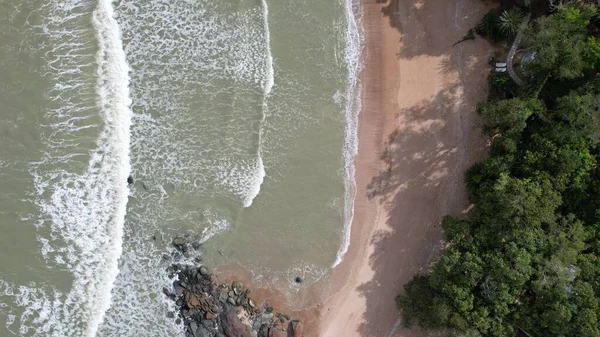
418,134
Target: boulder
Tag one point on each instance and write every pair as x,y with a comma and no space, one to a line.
231,324
223,298
203,332
179,290
179,242
274,332
295,329
237,287
193,328
192,300
203,271
263,331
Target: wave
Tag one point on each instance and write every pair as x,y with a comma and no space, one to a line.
354,42
270,79
267,88
113,92
84,212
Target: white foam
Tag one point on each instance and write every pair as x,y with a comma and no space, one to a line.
354,43
82,202
268,86
270,78
257,181
113,90
217,227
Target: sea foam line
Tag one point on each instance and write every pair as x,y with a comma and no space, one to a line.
114,101
267,88
354,42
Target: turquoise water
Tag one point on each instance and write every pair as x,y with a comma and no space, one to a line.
237,120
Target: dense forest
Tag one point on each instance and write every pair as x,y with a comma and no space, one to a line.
526,260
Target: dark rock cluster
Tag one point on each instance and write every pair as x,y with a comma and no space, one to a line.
208,309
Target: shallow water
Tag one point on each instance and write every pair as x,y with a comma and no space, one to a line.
231,116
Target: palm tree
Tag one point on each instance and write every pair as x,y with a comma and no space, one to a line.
510,21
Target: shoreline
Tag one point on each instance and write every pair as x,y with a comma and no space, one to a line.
418,134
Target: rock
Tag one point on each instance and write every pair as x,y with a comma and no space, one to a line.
192,301
299,279
223,298
179,242
170,314
263,330
194,328
210,310
203,332
295,329
130,180
232,326
237,287
179,290
274,332
196,245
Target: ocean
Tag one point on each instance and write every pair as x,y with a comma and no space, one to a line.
236,119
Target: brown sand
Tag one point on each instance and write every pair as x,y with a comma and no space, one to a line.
418,134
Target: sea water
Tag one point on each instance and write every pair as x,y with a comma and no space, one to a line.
237,120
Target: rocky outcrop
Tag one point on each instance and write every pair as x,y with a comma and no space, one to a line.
208,309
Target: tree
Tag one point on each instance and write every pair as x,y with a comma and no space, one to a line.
508,117
527,256
510,21
561,44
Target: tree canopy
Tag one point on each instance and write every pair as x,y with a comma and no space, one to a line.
526,260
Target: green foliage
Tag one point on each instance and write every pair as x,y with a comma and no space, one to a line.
507,117
562,45
489,26
510,21
527,256
499,80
